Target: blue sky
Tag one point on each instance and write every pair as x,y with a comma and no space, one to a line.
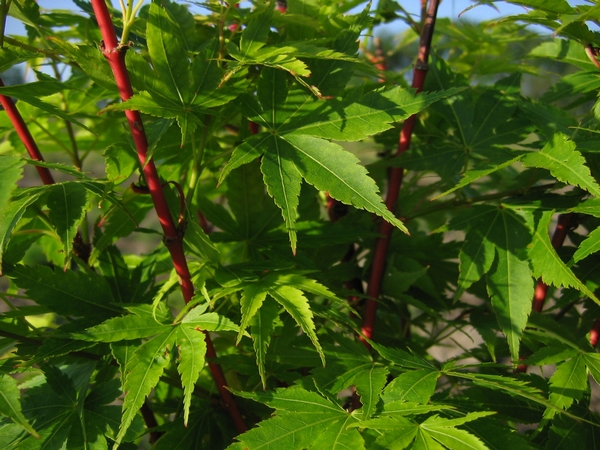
448,8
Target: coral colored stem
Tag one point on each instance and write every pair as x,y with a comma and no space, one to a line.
595,333
395,179
21,128
173,238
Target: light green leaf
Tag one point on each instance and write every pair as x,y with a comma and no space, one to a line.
283,180
261,329
369,384
192,349
564,162
200,244
246,152
509,281
567,384
123,328
252,299
209,321
67,202
402,358
144,369
476,257
444,431
329,168
547,264
592,361
11,216
356,119
168,55
412,386
254,36
402,408
303,420
10,403
11,171
296,304
590,245
479,171
23,92
399,432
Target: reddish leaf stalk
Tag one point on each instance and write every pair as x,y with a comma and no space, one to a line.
173,237
25,135
595,333
395,178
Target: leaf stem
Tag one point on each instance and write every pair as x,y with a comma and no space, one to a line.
395,178
115,54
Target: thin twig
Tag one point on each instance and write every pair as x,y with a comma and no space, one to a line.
395,179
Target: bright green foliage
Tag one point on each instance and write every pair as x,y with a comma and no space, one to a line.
272,130
10,403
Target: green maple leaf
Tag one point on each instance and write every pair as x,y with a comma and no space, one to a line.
294,147
67,415
564,162
303,419
177,87
142,365
496,246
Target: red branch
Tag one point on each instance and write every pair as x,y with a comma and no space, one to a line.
173,238
395,178
21,128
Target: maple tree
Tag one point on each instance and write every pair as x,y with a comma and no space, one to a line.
205,258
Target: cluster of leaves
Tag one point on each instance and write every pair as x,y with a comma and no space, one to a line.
257,118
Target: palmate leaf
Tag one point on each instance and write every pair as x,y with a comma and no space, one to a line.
287,290
294,147
303,419
179,88
547,264
67,417
564,162
142,365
